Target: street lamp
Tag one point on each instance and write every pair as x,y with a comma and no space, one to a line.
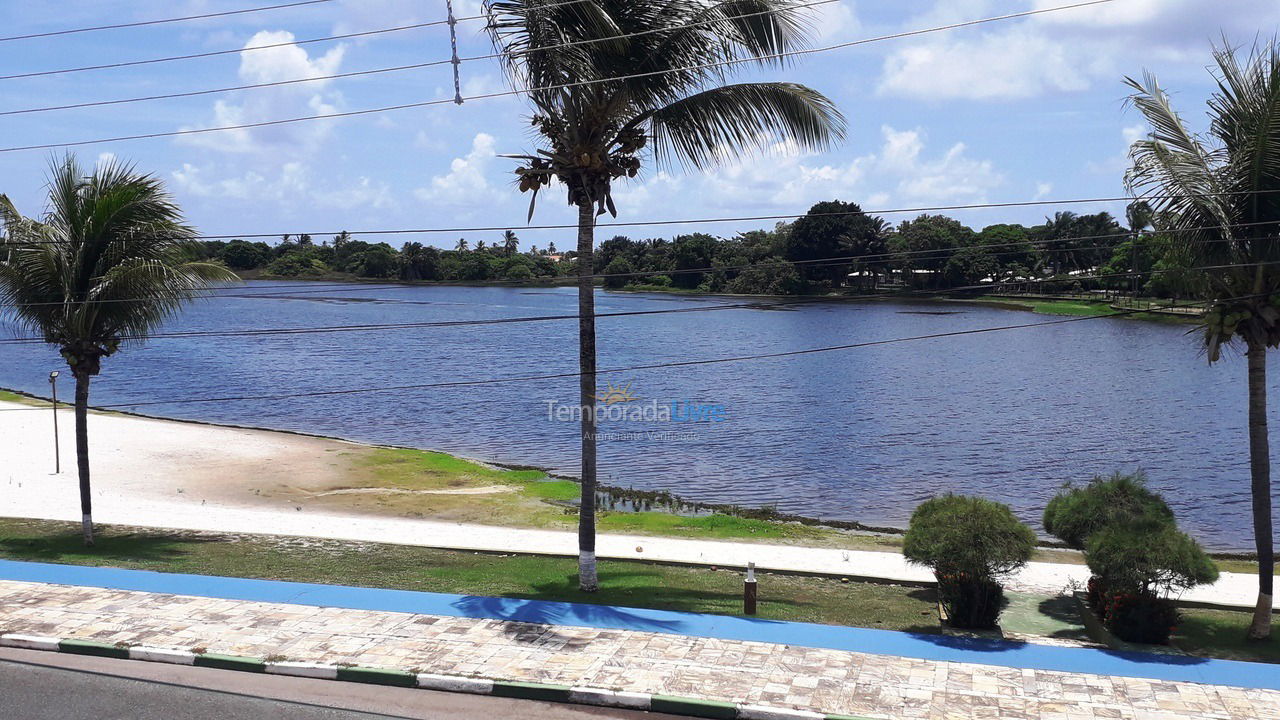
57,452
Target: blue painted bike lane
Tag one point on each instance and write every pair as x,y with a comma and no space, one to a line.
862,640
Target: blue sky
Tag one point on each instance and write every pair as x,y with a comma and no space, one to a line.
1018,110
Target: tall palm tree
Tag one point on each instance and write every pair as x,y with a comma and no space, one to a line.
461,246
608,77
510,243
107,264
1220,193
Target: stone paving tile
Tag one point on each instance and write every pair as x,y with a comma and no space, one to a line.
873,686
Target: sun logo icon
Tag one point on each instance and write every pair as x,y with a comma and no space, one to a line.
616,394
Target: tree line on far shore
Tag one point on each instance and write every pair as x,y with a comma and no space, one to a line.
835,245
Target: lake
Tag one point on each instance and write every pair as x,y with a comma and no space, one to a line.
862,434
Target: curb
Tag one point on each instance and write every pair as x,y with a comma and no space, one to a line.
691,707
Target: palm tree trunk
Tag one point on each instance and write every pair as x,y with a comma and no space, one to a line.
587,579
82,453
1260,471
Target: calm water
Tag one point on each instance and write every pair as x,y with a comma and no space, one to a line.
861,434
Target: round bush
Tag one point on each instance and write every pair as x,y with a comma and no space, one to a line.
975,536
969,542
1078,512
1147,560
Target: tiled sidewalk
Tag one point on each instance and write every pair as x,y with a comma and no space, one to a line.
830,681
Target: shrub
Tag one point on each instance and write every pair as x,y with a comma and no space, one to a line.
1140,618
1148,560
970,543
1135,567
1078,512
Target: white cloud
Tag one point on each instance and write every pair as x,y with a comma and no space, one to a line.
289,62
291,187
900,171
835,21
1014,64
465,184
1066,51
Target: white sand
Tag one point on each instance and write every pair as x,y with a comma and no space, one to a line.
161,473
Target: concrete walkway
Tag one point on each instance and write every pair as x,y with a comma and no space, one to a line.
1236,589
637,663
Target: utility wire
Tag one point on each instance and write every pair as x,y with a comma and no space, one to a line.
141,23
377,71
215,53
634,368
427,103
756,305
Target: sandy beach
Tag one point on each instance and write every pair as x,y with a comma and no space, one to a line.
191,476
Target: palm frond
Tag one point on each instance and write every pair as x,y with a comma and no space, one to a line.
720,124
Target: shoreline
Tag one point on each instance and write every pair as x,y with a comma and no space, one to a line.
1036,304
658,498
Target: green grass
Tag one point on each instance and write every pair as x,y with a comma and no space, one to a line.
1221,634
1054,307
535,500
13,397
712,527
623,583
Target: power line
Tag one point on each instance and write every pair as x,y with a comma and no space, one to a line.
260,332
142,23
196,93
377,71
427,103
215,53
634,368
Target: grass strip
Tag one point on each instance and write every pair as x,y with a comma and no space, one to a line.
231,662
531,691
696,708
378,676
96,649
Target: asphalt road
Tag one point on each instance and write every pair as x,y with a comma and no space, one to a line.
52,686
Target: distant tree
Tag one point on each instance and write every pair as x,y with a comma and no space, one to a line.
419,262
461,246
691,252
618,273
928,242
375,261
110,233
510,243
241,255
832,229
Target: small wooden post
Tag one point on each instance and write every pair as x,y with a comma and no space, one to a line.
749,590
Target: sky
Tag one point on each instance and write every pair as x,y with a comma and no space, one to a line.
1020,110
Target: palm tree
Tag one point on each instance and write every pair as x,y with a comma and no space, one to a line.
606,78
107,264
461,246
510,243
1220,195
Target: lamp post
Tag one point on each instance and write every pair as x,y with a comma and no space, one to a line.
57,451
